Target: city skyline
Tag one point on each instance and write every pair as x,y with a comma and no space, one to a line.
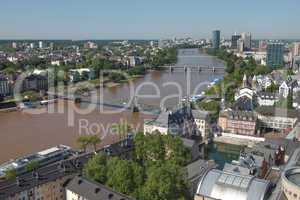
147,20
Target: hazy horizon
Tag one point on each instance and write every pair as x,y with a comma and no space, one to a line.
141,19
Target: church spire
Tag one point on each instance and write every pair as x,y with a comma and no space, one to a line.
245,81
254,82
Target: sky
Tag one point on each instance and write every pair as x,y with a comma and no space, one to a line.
147,19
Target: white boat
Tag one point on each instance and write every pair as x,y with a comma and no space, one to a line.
46,102
193,98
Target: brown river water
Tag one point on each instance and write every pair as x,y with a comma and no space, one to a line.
23,133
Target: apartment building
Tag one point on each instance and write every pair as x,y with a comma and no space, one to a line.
238,122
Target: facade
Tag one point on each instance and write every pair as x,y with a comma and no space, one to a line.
276,118
35,82
286,87
296,49
234,41
246,37
216,184
41,44
238,122
267,98
76,75
14,45
202,122
133,61
90,45
5,87
262,46
263,81
178,122
52,190
216,39
244,92
240,45
245,96
80,188
275,52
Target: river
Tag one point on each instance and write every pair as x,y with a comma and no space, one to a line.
22,133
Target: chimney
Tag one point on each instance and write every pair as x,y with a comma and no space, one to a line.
97,190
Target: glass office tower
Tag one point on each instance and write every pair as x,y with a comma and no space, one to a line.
216,39
275,51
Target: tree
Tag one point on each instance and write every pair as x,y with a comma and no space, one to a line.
124,176
262,69
290,100
176,152
213,106
83,142
272,88
10,174
33,165
156,148
31,95
96,169
157,172
139,144
164,182
139,70
94,140
290,72
116,76
229,67
163,57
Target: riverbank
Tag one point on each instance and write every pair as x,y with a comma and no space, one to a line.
8,106
240,140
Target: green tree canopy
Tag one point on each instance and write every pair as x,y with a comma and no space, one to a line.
96,168
124,176
33,165
84,141
10,174
156,171
164,182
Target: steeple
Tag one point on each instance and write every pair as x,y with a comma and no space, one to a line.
254,82
245,81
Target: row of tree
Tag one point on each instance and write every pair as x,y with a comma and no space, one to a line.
86,141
